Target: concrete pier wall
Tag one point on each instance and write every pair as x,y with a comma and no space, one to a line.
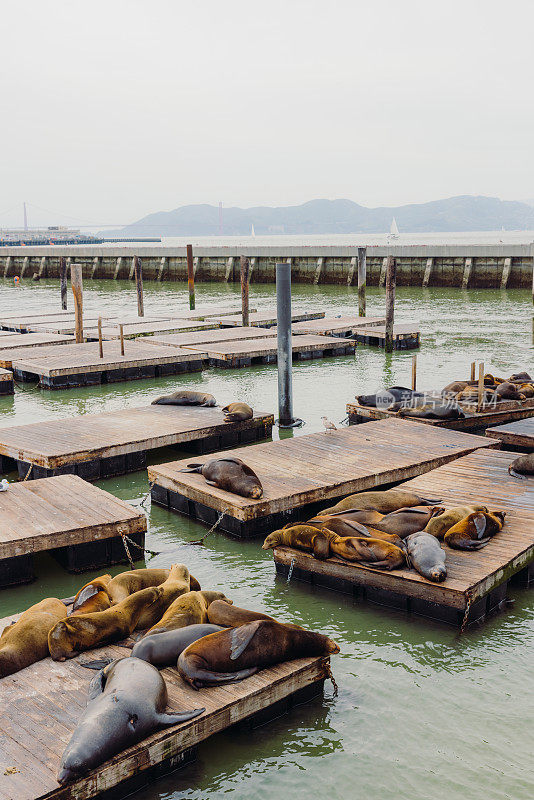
477,266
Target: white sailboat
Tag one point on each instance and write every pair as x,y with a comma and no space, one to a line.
252,232
394,231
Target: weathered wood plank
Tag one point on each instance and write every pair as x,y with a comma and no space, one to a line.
335,326
518,434
211,336
473,421
266,318
267,347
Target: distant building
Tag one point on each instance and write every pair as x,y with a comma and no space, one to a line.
54,234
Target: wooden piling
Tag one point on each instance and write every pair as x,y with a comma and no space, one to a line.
190,277
414,373
63,281
244,269
100,346
77,291
121,335
139,286
391,278
362,279
473,370
480,400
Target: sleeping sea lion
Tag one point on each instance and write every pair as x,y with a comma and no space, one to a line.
508,391
303,537
126,583
338,523
189,609
470,394
220,613
433,411
524,377
386,397
184,397
475,531
454,387
408,520
176,584
386,501
231,475
127,701
440,523
237,411
527,389
522,465
426,556
375,553
237,653
162,649
26,641
77,633
92,597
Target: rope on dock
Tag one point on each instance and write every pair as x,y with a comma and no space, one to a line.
219,518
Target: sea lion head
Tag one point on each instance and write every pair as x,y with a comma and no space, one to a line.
437,573
272,540
331,646
61,641
256,492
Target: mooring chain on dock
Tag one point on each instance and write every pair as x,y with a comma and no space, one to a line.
27,474
290,570
329,675
126,540
147,495
466,613
213,527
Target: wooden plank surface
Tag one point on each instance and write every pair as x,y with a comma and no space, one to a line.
256,348
13,344
148,329
212,335
208,312
40,707
261,318
6,375
323,466
73,440
401,329
517,434
63,510
472,421
480,477
330,326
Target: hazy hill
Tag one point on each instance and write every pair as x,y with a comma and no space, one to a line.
463,213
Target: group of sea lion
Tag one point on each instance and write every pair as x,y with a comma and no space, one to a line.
519,386
391,529
234,412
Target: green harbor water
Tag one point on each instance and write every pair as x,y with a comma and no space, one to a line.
421,713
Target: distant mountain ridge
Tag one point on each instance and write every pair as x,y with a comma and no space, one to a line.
462,213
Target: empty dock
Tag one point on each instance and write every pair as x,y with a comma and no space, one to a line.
116,442
148,329
15,344
303,474
406,336
212,336
477,581
516,435
336,326
243,353
266,319
80,524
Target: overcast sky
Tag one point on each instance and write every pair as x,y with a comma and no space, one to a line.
112,110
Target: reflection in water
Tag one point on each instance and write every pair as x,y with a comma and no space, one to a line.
421,713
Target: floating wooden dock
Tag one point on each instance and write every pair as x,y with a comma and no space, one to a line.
81,525
208,312
146,329
516,435
405,336
212,336
266,319
345,327
302,475
42,703
80,364
19,322
96,446
15,344
473,421
6,382
477,581
243,353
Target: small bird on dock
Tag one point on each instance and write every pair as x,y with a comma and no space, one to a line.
329,426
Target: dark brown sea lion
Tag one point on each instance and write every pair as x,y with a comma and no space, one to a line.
127,701
177,584
340,524
508,391
189,609
220,613
385,502
184,397
524,377
231,475
127,583
162,649
93,596
441,523
475,531
26,641
386,397
237,653
455,387
470,395
303,537
527,389
77,633
375,553
408,520
522,465
426,556
237,411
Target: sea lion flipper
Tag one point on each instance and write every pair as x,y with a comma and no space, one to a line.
241,638
211,483
193,468
97,685
514,474
176,719
479,521
98,663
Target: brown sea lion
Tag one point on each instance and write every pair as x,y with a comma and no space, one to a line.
524,377
454,387
75,634
387,397
92,597
470,395
126,583
527,389
221,613
375,553
508,391
475,531
235,412
522,465
426,556
177,583
26,641
237,653
162,649
189,609
408,520
184,397
433,411
231,475
338,523
441,523
385,502
303,537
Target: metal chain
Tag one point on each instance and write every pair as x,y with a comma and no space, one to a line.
147,495
28,473
128,556
466,613
219,518
290,570
332,679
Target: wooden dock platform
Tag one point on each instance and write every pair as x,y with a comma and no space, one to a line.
243,353
78,523
212,336
266,319
477,581
344,327
406,336
19,322
516,435
145,329
14,344
308,473
6,382
80,364
474,421
209,312
42,703
97,446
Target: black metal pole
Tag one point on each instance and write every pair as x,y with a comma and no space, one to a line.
285,353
